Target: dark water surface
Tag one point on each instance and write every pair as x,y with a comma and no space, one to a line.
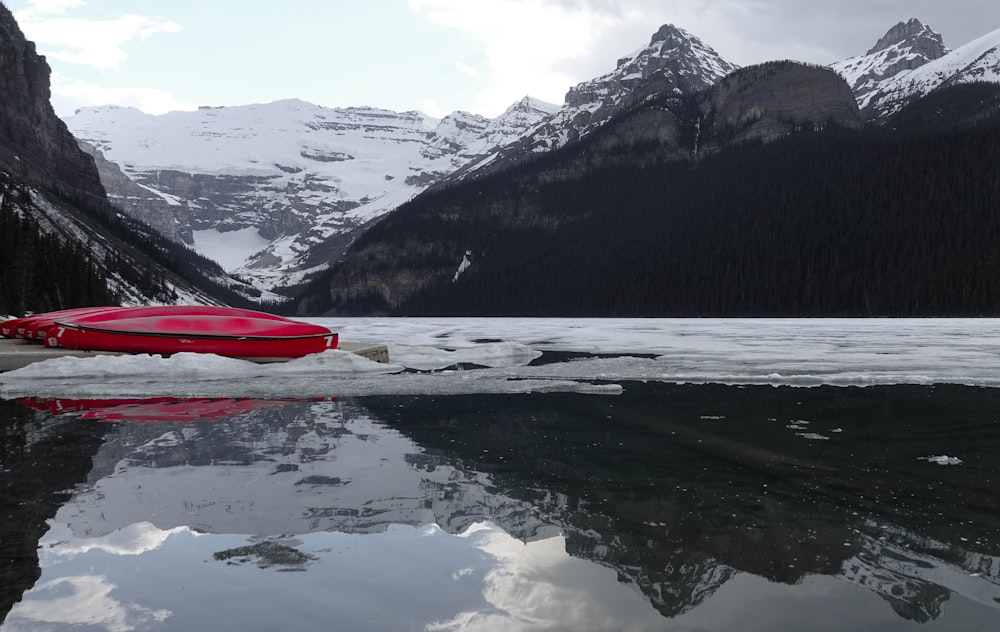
669,507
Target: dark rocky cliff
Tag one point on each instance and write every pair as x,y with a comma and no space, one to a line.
757,103
775,99
35,144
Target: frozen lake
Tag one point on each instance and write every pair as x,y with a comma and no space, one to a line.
585,355
515,474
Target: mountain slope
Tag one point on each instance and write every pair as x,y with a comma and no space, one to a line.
574,194
752,232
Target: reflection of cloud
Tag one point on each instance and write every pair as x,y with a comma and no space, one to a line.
131,540
89,602
539,585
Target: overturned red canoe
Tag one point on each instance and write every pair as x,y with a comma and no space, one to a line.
122,313
260,338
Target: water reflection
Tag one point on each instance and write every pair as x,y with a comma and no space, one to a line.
153,409
556,511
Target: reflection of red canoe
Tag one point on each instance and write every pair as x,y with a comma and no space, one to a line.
153,409
173,331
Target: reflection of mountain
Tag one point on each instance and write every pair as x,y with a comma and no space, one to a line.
907,571
41,460
299,468
677,501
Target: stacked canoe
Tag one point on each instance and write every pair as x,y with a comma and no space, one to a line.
165,330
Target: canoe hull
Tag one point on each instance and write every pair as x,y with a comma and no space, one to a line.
231,336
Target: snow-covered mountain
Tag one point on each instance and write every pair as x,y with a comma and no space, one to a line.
259,187
276,191
912,60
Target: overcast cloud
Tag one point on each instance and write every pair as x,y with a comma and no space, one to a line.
432,55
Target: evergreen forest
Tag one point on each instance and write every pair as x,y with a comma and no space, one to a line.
40,272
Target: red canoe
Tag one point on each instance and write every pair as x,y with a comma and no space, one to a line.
173,331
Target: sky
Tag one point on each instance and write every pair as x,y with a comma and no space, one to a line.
435,56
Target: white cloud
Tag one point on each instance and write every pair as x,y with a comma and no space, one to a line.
47,7
97,43
526,42
544,47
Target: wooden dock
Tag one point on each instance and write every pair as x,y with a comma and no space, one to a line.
15,354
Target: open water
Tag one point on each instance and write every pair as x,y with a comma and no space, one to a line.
641,501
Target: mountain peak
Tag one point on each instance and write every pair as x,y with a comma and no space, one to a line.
904,48
916,36
669,32
674,60
674,51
